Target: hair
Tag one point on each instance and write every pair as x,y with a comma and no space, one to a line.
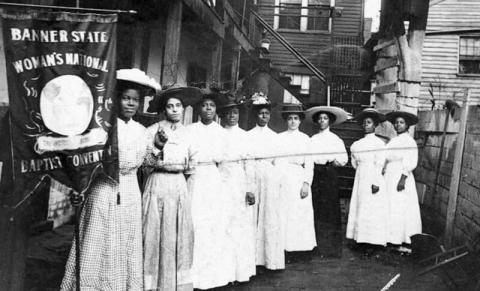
163,104
407,123
257,108
123,85
300,115
373,117
331,116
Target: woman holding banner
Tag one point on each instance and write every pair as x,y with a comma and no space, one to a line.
111,219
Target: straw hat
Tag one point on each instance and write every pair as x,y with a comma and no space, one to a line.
410,118
290,108
372,113
339,115
138,77
187,95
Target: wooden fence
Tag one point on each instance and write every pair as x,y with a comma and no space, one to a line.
448,176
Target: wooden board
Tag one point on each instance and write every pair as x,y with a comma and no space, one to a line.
385,63
383,45
456,174
386,88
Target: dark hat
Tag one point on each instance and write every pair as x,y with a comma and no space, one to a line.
228,102
259,101
410,118
187,95
372,113
338,113
290,108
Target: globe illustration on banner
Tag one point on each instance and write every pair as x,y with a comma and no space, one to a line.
66,105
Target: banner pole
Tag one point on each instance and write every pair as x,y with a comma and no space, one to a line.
84,9
77,247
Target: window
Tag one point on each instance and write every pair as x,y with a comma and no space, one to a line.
469,60
303,84
290,11
303,15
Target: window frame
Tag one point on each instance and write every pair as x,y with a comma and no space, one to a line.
304,17
474,58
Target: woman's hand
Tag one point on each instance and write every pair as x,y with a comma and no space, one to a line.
401,183
161,138
375,189
250,198
304,190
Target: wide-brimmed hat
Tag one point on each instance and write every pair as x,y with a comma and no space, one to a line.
138,77
338,113
230,102
290,108
372,113
187,95
410,118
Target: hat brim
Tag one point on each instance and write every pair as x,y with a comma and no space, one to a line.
135,76
410,118
188,95
375,115
340,115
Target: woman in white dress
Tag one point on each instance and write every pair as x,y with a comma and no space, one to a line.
111,219
296,168
213,260
402,156
270,242
328,152
236,171
167,220
367,218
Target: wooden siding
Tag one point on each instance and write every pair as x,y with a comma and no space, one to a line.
313,45
440,54
351,21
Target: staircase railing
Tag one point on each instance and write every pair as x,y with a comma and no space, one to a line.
316,72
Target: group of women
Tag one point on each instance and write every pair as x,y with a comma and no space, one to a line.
220,201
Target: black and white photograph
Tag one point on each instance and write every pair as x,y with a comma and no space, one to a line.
240,145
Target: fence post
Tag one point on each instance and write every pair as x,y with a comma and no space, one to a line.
456,174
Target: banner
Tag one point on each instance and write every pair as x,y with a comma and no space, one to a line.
61,79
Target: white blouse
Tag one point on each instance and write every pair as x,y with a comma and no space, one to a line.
264,143
403,149
294,150
326,146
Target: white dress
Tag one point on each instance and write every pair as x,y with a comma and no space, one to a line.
296,168
268,214
404,219
367,221
213,259
234,170
111,223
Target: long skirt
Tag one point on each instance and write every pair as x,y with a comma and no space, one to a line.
367,217
270,234
241,227
213,259
110,238
327,213
167,233
404,215
299,228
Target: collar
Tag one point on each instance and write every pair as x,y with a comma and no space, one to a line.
325,131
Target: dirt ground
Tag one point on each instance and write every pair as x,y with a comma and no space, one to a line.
48,251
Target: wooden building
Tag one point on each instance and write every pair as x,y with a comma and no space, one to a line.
451,53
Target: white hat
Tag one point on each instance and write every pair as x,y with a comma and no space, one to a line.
139,77
340,114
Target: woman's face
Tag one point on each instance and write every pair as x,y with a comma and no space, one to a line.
400,125
232,116
368,125
323,121
263,117
208,110
293,121
129,103
174,109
